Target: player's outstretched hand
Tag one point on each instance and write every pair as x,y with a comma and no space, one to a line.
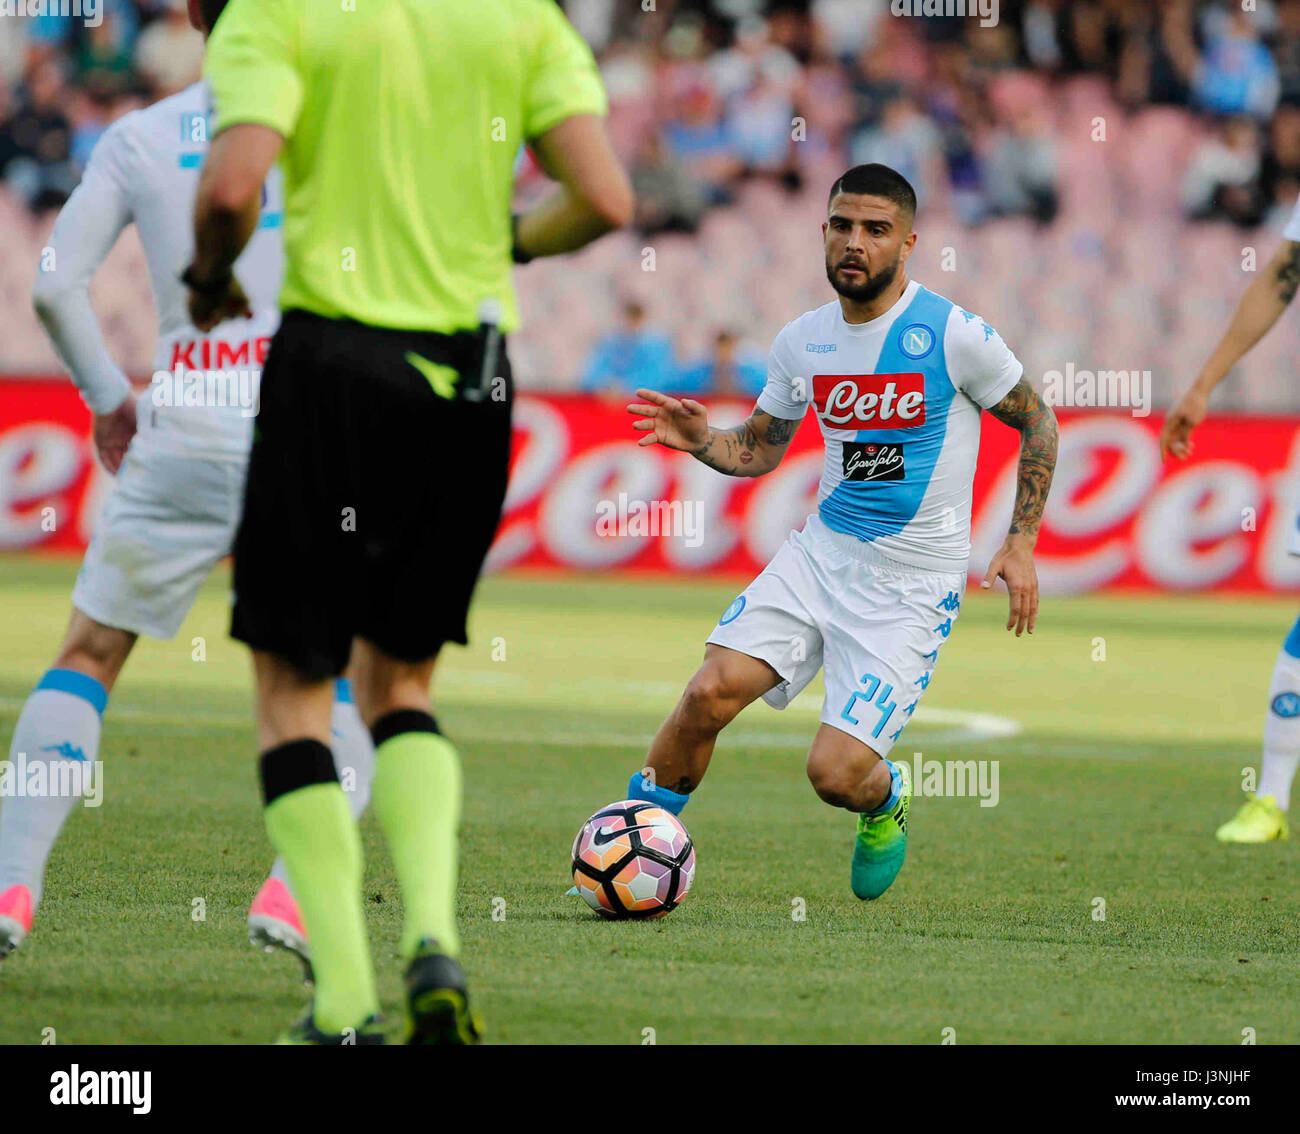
206,311
666,421
1176,436
1014,564
113,432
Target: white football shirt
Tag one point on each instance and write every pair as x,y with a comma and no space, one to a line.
145,170
898,399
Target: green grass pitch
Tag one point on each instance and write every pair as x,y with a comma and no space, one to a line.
1110,790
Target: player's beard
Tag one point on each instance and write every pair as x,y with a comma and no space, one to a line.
870,287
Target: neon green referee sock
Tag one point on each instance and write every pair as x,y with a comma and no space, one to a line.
310,825
416,795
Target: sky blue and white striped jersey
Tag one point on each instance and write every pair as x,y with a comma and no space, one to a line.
898,399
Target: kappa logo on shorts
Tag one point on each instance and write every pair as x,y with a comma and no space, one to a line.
1286,705
733,611
864,461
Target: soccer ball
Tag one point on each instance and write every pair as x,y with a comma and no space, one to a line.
633,859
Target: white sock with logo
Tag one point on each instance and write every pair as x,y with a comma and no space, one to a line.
59,725
1282,730
354,759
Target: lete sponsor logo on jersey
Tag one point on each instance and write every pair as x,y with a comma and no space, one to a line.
864,461
870,401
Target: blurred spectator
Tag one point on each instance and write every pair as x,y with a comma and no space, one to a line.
1223,180
1158,60
104,56
1020,171
36,142
905,140
1237,74
169,53
697,136
758,79
629,358
957,102
1280,169
849,25
668,198
13,51
729,371
1287,50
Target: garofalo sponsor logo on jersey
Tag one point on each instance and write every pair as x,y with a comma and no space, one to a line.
865,461
870,401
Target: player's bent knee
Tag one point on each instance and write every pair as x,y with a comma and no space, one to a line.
844,772
837,786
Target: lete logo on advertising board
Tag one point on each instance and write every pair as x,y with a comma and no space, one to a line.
1117,515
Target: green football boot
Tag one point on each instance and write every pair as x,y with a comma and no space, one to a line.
305,1033
437,1001
881,844
1260,820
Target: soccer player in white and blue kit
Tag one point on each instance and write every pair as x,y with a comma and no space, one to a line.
1262,816
871,586
179,467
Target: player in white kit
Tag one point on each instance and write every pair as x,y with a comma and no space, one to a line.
179,453
871,586
1263,816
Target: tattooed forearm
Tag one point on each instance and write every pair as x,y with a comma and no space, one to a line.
1288,274
780,430
1024,410
729,451
751,449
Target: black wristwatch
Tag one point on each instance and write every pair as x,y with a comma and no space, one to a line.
517,254
205,287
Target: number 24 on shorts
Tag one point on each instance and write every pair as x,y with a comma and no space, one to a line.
882,702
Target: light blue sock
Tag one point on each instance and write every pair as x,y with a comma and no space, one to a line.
642,787
895,791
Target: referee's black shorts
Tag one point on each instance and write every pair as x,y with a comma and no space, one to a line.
374,492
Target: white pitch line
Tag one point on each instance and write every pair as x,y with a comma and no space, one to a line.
965,726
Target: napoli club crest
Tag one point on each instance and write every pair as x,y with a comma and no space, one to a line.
916,341
733,611
1286,704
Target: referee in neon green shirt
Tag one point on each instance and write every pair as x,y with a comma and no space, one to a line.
380,454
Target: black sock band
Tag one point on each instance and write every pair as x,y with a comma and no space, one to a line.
297,764
400,721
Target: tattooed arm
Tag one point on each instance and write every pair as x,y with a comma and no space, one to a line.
1260,307
1024,410
750,449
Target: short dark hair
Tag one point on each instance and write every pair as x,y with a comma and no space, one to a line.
210,11
876,180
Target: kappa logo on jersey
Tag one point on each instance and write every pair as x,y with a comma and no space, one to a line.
870,401
864,461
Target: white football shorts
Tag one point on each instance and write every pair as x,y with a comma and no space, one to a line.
167,522
827,599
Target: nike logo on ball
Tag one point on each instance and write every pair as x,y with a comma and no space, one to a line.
604,835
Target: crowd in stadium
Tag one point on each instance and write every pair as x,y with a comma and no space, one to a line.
1069,157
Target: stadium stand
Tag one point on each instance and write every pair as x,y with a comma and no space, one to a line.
1093,173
